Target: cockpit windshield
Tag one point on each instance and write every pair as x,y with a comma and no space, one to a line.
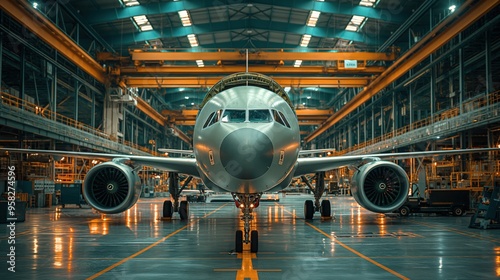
259,116
241,115
234,116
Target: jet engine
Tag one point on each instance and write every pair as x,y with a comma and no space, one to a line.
380,186
111,187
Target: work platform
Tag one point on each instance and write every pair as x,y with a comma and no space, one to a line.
75,243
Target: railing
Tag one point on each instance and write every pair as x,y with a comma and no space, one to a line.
49,116
473,111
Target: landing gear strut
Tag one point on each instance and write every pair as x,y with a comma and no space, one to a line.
324,207
174,205
246,202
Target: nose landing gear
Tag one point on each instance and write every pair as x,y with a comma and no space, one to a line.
246,202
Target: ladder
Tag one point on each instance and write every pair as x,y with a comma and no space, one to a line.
487,214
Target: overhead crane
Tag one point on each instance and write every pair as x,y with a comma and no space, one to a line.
455,23
187,117
318,76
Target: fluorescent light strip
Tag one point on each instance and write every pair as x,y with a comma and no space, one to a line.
130,3
355,23
368,3
192,40
185,18
142,23
313,18
305,40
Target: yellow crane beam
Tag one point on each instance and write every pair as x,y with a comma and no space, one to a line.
44,29
466,14
230,69
193,82
166,55
188,117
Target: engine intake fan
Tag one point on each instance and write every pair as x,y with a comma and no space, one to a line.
111,187
380,186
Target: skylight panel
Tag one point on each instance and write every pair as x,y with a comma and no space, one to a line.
130,3
313,18
142,23
200,63
185,18
193,41
356,23
368,3
305,40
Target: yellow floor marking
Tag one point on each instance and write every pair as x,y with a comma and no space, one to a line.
247,271
352,250
100,273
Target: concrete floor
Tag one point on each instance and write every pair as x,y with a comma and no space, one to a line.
74,243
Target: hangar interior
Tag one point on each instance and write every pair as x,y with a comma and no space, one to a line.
365,77
109,82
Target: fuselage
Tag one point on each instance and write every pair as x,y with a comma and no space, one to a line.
246,140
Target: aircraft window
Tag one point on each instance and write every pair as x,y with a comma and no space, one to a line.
234,116
208,120
280,118
213,118
259,116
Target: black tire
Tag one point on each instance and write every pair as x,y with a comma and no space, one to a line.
167,209
254,241
308,210
238,242
404,211
184,210
458,211
326,208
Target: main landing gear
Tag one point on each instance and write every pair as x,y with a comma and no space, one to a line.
174,205
246,202
324,207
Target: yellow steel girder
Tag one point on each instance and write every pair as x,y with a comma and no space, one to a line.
43,28
230,69
467,13
188,117
166,55
297,82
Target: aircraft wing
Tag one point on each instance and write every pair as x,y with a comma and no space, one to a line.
317,151
177,151
180,165
317,164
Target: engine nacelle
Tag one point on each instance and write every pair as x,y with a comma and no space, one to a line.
111,187
380,186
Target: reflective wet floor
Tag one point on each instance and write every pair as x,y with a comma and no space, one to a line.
75,243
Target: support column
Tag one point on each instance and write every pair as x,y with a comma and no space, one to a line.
75,108
92,110
112,116
461,73
487,57
22,66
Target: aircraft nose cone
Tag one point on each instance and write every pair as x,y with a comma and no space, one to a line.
246,153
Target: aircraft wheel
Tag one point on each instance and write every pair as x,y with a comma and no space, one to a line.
184,210
239,241
404,211
167,209
326,208
254,241
308,210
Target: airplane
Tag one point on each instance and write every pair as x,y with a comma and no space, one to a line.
246,141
